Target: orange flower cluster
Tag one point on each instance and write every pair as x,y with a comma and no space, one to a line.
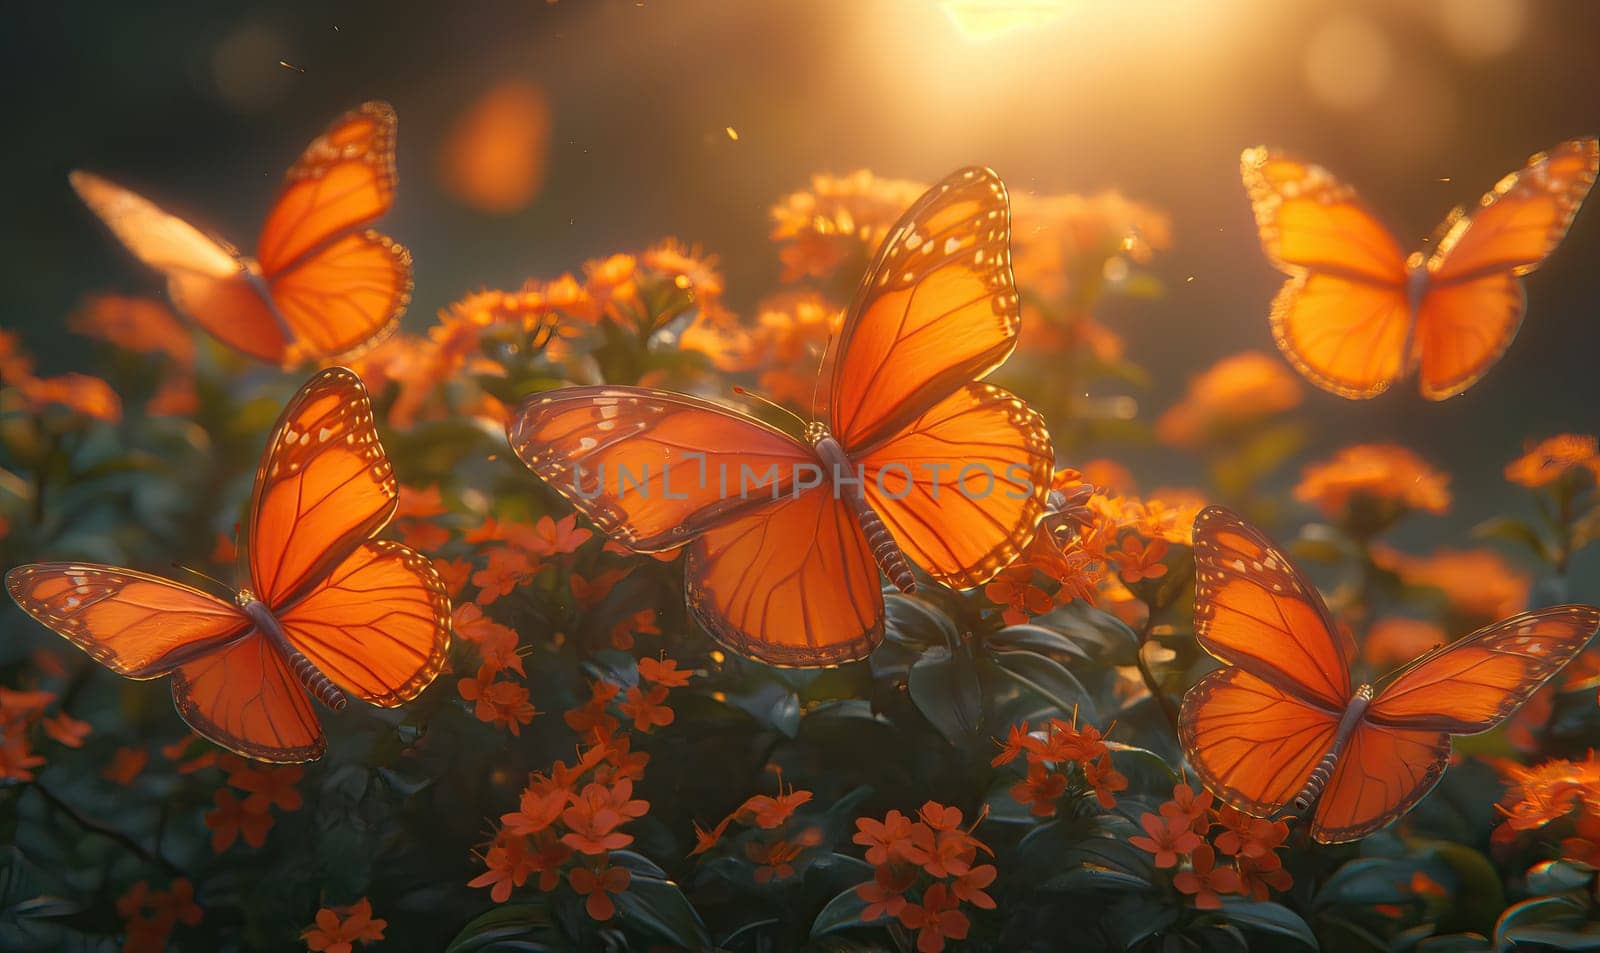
925,870
1056,553
784,347
1561,791
839,219
20,713
1062,243
1061,759
146,326
1553,458
149,916
1478,583
1385,476
80,394
1394,641
250,817
1190,831
339,929
768,842
497,701
1235,393
569,821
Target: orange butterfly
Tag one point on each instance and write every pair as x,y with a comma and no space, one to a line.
783,569
320,286
1357,314
1280,723
330,610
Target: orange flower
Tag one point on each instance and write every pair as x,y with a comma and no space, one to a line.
1479,583
1553,458
80,393
894,839
1061,242
338,929
969,887
67,730
1014,589
558,537
455,574
647,710
492,158
507,569
1205,881
1137,562
509,864
1547,792
17,759
592,715
1018,741
588,592
595,814
704,840
936,919
1388,475
1105,780
769,812
1394,641
535,812
1191,807
269,786
1167,838
1257,881
840,219
140,325
1236,392
663,672
1040,790
642,622
773,861
126,764
598,884
1256,838
233,818
151,915
501,703
885,892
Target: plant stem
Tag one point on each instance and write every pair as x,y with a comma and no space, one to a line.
105,830
1151,684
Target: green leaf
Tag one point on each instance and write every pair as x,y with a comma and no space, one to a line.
1511,530
510,926
1036,638
1560,921
1044,677
841,913
913,622
944,687
1086,878
658,905
1556,876
1270,918
1116,644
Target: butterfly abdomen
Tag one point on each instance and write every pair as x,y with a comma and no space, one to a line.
843,477
319,685
1323,772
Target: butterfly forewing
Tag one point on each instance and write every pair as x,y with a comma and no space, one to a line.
324,486
137,625
937,310
343,180
1253,609
1474,683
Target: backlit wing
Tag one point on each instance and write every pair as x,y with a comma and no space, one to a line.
344,179
1381,773
1343,317
1474,302
1474,683
344,297
650,468
246,699
137,625
962,487
791,583
1253,609
1251,743
205,277
378,624
937,310
324,486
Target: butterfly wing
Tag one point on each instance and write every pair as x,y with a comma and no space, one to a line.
205,277
344,179
1476,682
344,298
246,699
1252,743
937,310
378,624
137,625
324,486
1381,773
1343,317
962,486
775,570
1474,301
1254,610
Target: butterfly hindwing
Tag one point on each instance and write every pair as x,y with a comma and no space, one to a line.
1381,774
245,698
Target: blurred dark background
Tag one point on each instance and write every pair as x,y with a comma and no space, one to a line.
1421,105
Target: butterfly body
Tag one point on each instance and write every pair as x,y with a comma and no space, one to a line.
328,611
1357,314
784,536
320,284
1282,725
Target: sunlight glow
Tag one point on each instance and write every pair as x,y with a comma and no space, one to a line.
985,19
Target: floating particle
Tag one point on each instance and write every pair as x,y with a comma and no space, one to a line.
732,133
288,65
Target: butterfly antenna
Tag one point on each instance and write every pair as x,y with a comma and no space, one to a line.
816,385
206,576
742,392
